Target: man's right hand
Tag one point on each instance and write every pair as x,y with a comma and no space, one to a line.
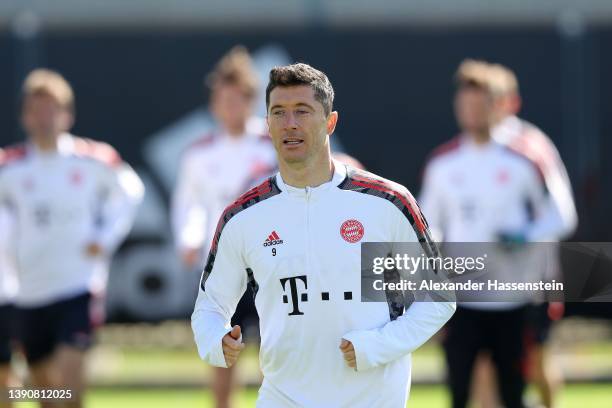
232,346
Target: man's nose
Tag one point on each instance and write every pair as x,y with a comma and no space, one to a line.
291,121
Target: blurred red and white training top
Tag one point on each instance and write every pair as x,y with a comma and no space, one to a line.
526,139
299,249
214,171
60,202
472,193
477,192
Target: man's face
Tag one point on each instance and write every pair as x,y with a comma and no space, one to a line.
231,106
473,109
43,117
298,124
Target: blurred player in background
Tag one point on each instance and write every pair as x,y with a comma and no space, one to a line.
475,190
295,240
73,201
216,170
8,290
528,140
348,160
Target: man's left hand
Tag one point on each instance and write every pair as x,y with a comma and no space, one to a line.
349,353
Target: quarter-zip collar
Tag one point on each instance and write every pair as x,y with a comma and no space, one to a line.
338,176
471,146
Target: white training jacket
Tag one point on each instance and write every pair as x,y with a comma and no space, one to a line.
61,202
214,171
528,140
299,248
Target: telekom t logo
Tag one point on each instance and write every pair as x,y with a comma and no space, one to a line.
298,296
294,292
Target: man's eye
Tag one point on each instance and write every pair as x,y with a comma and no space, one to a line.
302,112
277,113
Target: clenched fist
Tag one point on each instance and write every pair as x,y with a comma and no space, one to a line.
94,249
348,351
232,346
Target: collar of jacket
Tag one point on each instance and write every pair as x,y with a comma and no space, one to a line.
338,176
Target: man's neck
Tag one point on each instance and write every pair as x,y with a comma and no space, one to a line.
46,144
503,118
311,174
482,137
236,132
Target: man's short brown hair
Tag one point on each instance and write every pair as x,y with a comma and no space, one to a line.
43,81
303,74
234,68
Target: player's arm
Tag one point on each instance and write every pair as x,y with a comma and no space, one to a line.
5,221
561,209
548,223
432,202
188,210
223,283
120,193
405,334
5,234
4,189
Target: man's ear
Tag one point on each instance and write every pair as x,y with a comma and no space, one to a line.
517,104
68,120
332,120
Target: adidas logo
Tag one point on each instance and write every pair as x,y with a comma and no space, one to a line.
273,239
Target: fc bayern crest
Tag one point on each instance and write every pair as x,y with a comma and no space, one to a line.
352,231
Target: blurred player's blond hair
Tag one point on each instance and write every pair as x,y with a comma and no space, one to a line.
50,83
235,68
479,74
505,79
507,86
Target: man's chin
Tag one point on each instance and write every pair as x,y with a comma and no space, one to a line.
44,134
294,159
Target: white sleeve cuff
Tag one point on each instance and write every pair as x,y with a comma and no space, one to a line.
217,358
359,340
213,354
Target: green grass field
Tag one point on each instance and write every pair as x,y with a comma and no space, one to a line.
575,396
133,367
